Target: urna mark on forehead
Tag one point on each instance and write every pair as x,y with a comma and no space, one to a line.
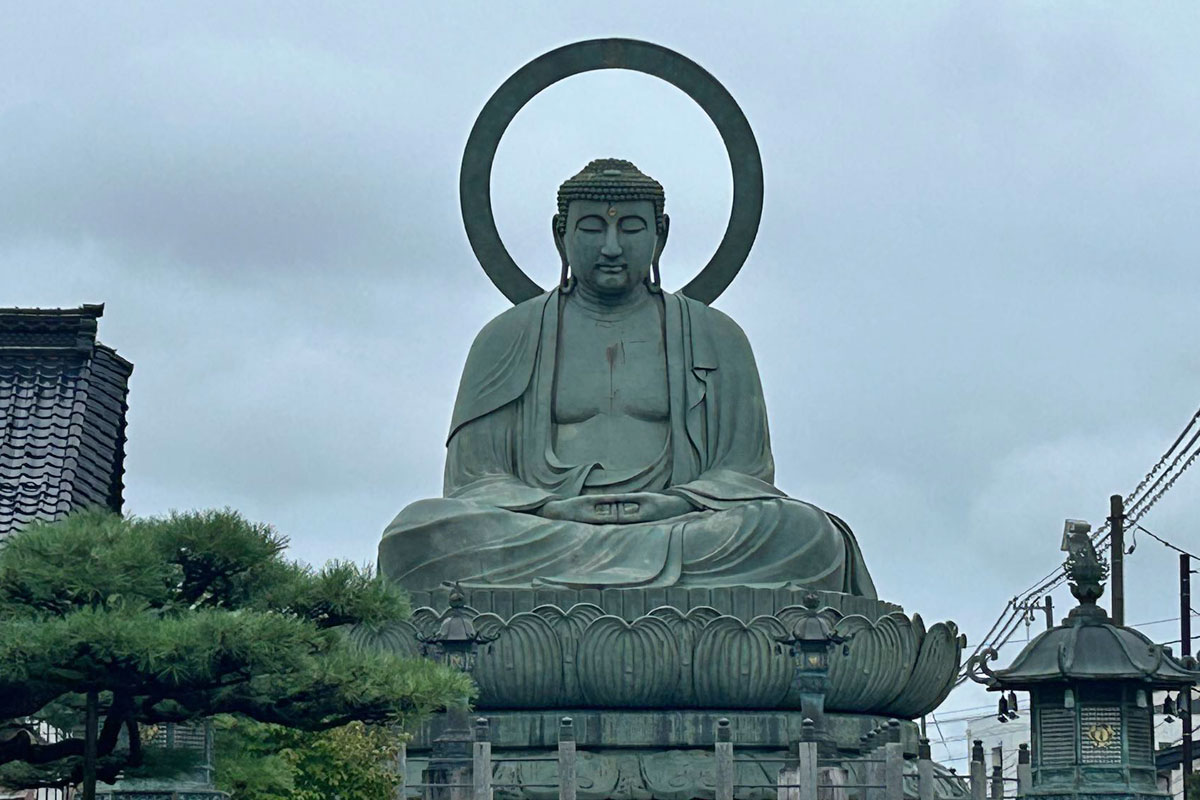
610,180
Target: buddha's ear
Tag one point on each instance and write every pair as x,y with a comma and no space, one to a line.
655,274
662,237
561,245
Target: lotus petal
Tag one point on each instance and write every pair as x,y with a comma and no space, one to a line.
398,637
629,665
522,666
876,664
569,626
741,665
933,675
686,628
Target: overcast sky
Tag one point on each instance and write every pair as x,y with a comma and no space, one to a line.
973,297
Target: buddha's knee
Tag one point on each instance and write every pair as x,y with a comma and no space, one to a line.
783,512
432,510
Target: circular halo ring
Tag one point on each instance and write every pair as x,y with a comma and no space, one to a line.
475,188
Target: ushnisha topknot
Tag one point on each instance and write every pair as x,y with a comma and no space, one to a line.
610,179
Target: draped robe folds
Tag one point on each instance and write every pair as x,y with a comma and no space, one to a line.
501,468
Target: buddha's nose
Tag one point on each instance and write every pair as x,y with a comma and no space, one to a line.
612,248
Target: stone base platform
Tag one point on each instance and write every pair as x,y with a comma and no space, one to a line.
666,755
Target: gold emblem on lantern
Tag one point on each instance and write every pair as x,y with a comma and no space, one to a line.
1101,736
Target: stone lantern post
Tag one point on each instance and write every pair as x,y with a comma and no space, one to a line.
1090,685
453,645
811,640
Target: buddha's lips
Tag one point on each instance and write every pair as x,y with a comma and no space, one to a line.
612,267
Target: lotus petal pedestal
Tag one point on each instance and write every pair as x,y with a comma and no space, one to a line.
685,649
645,674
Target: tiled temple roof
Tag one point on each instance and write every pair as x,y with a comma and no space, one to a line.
62,415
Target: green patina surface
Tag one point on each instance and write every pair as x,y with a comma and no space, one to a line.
610,510
672,658
609,434
1091,685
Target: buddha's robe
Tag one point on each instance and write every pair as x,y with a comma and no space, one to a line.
501,467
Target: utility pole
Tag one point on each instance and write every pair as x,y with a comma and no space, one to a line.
1116,523
1185,649
1047,606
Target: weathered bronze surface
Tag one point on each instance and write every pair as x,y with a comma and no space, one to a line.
609,506
1091,686
610,434
583,657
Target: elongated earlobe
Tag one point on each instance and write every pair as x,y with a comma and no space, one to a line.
565,282
654,280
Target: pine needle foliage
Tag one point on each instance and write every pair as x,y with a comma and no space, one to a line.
183,617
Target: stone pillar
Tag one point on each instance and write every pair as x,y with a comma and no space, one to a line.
997,792
893,768
448,775
401,771
873,774
723,753
1024,771
567,776
481,761
978,772
925,788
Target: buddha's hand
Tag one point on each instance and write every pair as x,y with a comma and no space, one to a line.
617,509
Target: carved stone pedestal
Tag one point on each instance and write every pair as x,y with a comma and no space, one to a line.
685,649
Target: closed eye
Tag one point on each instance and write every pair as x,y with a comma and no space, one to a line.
591,224
632,224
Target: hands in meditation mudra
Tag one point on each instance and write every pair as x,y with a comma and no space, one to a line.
610,434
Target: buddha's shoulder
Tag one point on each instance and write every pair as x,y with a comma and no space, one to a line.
514,323
709,318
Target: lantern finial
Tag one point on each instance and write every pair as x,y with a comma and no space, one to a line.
1086,570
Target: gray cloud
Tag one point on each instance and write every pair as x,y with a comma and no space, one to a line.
972,298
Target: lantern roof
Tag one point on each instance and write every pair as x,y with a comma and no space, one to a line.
813,627
1088,645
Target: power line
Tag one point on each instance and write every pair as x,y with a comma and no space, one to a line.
948,713
1165,543
1159,621
1006,622
1154,470
1134,508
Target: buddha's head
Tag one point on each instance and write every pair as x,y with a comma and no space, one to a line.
610,228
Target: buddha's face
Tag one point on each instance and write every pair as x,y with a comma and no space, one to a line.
610,245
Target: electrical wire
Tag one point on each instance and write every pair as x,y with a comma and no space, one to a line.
1136,501
1165,543
1154,470
1133,510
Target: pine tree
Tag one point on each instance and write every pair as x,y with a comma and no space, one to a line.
180,618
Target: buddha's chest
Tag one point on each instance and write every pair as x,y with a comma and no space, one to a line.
611,367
